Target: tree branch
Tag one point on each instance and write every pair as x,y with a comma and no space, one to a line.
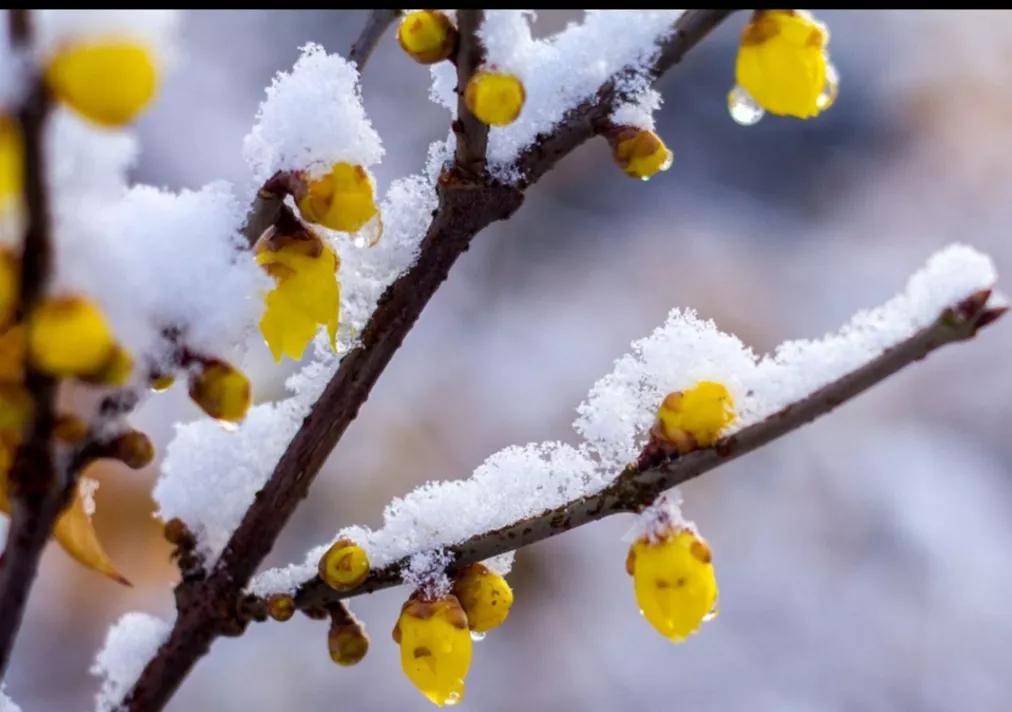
639,484
207,608
36,494
375,26
472,135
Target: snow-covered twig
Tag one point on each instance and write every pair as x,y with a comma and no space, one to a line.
641,482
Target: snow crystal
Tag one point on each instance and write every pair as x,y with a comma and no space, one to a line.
639,112
6,703
426,572
130,643
520,482
156,259
86,163
157,29
312,118
562,71
210,476
664,513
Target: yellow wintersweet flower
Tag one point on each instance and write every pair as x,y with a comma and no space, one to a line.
109,82
69,336
341,199
221,391
307,295
347,642
783,65
435,647
427,36
344,565
641,153
673,578
485,597
694,417
11,162
495,99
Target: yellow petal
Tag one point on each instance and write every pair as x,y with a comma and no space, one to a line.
695,416
11,163
435,648
341,199
427,36
495,99
485,597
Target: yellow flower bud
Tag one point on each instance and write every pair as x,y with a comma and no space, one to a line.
108,82
223,392
495,99
341,199
347,642
695,417
280,607
641,153
485,597
12,354
673,578
133,448
783,65
9,280
344,565
115,371
69,336
435,647
70,429
307,295
427,36
11,167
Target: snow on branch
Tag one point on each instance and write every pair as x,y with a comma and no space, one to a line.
523,494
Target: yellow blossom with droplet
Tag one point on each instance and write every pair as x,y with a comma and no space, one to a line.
673,578
344,565
694,417
11,163
69,336
427,36
641,153
495,99
341,199
485,597
222,391
306,296
109,82
435,647
783,65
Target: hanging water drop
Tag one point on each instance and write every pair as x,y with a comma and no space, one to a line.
829,89
742,107
477,637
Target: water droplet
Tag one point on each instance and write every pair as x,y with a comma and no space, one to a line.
228,426
452,699
477,637
714,612
370,233
742,107
829,90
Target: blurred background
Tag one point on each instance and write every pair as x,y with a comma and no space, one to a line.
863,561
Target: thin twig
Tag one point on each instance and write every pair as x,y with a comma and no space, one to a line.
207,608
472,135
640,484
375,27
37,496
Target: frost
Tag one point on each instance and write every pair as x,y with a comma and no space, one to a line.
564,70
157,29
210,476
129,644
639,112
654,520
312,118
522,482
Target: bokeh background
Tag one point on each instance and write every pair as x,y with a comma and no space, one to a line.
863,561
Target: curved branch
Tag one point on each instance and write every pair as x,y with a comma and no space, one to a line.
640,484
472,135
375,27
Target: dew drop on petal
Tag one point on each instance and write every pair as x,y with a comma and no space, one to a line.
713,613
452,699
742,107
477,637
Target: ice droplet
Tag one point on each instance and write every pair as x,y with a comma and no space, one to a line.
829,90
742,107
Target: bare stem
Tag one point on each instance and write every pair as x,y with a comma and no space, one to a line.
472,134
